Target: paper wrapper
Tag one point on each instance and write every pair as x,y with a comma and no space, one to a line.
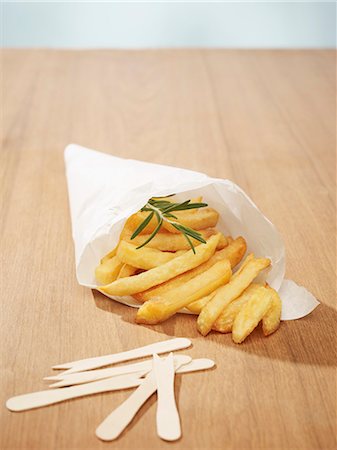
105,190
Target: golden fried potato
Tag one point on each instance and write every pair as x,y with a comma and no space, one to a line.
180,264
197,219
233,252
127,271
136,219
108,271
194,200
161,308
250,314
142,258
249,258
197,305
271,320
224,322
125,233
169,242
109,255
229,292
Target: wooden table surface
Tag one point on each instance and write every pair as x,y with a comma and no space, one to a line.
264,119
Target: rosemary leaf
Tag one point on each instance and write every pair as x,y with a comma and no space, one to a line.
155,231
188,231
171,216
141,227
162,210
193,206
190,242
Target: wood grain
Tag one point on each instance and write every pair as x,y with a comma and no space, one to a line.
266,120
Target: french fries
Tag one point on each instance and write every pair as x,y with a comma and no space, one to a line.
271,320
224,322
250,314
192,211
109,255
168,269
136,219
169,242
197,305
142,258
197,219
152,277
228,293
127,271
108,271
233,252
160,309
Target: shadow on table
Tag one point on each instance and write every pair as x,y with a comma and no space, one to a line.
310,340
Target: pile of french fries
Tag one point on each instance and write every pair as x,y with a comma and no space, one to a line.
166,276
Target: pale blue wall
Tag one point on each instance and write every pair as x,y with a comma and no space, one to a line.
143,25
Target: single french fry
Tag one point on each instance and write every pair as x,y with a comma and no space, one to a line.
250,314
228,293
224,322
159,309
271,320
152,277
249,258
127,230
109,255
108,271
233,252
199,219
197,305
127,271
142,258
169,242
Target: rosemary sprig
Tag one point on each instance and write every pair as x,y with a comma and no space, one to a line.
162,210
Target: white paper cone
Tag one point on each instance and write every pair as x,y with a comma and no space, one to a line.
104,190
